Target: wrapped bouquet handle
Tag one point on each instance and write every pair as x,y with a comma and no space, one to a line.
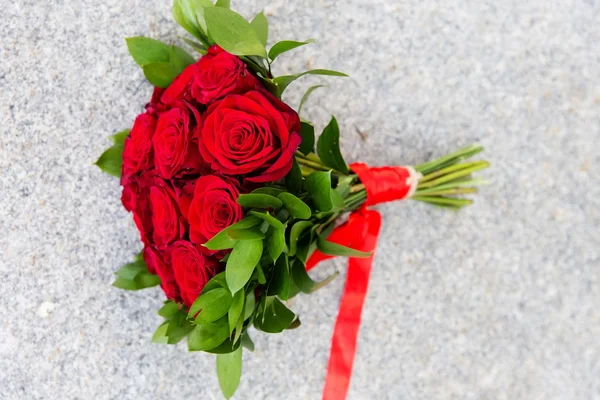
235,199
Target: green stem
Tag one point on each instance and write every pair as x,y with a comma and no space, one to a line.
444,201
464,153
312,164
458,174
448,170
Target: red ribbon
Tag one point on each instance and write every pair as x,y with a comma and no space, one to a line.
361,232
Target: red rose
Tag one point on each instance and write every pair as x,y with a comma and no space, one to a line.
213,209
184,191
192,270
214,76
219,74
136,199
161,267
166,218
175,148
254,134
137,154
179,89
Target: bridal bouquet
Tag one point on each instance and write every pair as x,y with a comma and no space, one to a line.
235,200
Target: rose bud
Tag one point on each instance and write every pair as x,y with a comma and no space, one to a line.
192,270
175,147
254,135
161,267
137,154
213,208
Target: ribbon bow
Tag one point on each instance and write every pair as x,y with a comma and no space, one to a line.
361,232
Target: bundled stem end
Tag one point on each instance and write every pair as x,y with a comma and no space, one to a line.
450,176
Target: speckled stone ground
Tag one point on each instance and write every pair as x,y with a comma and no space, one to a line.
499,301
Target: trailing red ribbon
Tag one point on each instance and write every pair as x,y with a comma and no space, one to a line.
361,232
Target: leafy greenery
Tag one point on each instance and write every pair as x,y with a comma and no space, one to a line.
261,27
111,160
282,82
328,147
284,46
135,276
229,371
318,186
233,33
242,262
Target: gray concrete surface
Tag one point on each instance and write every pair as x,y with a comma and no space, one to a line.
499,301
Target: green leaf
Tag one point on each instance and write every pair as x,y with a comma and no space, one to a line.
253,233
301,278
280,281
169,309
295,324
305,98
131,270
190,15
235,312
283,82
179,327
286,45
241,263
147,51
260,275
159,74
272,191
275,318
208,336
271,220
229,371
216,282
307,131
111,160
223,3
258,201
294,180
160,336
296,207
247,342
222,241
334,249
275,242
239,328
344,185
260,24
119,138
224,348
233,33
328,147
200,48
125,284
249,305
135,276
212,305
246,223
296,232
318,186
179,59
